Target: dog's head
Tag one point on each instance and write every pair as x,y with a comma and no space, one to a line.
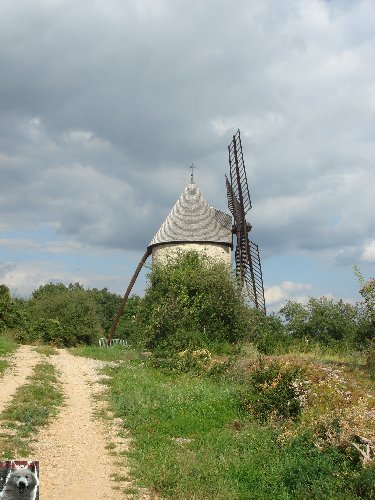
23,477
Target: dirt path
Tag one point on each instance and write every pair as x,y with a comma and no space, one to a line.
23,361
74,463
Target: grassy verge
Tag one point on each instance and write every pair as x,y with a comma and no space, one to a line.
7,347
31,408
115,353
46,350
194,439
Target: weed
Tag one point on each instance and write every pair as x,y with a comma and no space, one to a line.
3,366
273,391
46,350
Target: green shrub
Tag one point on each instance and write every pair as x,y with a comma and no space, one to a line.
11,312
130,321
273,391
107,306
49,331
190,302
370,358
7,345
322,320
364,482
64,315
268,333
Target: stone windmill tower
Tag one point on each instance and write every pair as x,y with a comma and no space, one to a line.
193,225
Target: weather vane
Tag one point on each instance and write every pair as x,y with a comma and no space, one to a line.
192,166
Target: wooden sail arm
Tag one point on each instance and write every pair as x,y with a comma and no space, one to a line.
127,293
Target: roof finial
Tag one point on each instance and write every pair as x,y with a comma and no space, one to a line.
192,173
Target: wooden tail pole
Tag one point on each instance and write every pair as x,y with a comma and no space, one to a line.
127,293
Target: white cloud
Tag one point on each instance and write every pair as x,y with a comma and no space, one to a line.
277,295
101,116
25,277
368,254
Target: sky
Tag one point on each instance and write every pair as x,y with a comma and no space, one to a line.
104,105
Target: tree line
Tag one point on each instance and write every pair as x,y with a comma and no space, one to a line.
191,302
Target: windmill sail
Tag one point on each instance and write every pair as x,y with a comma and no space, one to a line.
233,203
251,273
248,267
238,176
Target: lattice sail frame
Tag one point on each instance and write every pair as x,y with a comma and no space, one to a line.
248,267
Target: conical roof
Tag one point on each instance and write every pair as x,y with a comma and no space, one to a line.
193,220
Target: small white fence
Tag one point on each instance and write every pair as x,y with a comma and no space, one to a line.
103,342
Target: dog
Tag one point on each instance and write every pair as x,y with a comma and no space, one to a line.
21,482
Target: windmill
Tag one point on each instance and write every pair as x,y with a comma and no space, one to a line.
248,268
217,229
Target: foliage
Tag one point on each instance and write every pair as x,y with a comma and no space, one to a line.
370,360
130,320
190,302
322,320
198,362
273,391
64,315
7,345
268,333
364,483
107,306
11,316
191,439
368,293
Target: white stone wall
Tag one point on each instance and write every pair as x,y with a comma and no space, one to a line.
222,253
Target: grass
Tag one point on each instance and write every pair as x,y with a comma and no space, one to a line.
115,353
7,347
192,439
33,405
46,350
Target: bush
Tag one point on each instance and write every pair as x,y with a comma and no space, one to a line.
268,333
11,316
322,320
273,391
191,302
130,321
65,316
107,304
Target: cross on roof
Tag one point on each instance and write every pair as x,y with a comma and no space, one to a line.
192,166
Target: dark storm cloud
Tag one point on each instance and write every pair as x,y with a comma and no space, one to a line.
105,104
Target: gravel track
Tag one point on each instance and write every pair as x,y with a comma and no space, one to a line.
74,463
22,364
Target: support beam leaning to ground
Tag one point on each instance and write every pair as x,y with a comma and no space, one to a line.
127,293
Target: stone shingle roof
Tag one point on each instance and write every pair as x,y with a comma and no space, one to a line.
193,220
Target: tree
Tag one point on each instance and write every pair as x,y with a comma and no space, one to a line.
65,315
11,316
321,319
191,302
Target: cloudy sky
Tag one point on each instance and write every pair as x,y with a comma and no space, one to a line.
104,104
